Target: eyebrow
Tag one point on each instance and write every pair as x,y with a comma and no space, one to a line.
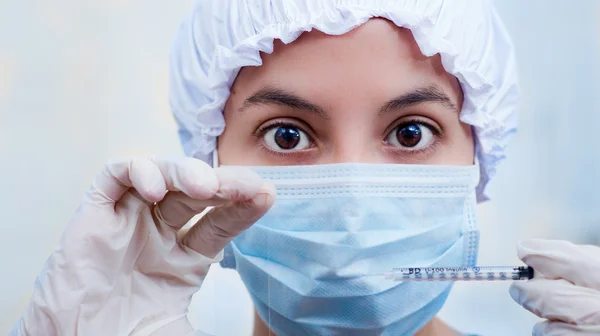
429,94
270,95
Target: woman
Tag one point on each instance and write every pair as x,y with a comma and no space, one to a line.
370,138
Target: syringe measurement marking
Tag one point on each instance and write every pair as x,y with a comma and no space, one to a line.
479,273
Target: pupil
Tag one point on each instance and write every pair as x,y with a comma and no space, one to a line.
409,136
287,138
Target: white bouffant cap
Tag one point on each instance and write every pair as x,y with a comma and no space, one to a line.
221,36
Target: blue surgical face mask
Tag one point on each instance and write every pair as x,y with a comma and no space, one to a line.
310,262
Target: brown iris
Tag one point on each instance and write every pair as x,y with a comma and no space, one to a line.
409,135
287,137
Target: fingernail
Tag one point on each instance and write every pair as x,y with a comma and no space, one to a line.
515,293
524,243
268,188
525,248
261,200
539,328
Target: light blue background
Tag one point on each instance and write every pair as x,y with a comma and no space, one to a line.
83,81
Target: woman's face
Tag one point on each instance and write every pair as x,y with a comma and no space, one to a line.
365,96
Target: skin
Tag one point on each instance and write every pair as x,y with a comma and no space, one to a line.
345,97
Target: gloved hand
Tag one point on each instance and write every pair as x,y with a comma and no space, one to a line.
120,269
568,294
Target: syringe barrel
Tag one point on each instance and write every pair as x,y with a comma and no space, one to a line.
477,273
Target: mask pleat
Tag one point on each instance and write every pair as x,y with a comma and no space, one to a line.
311,263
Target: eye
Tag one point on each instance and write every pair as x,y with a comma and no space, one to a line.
411,136
285,138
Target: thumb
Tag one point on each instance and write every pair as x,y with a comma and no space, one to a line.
222,224
558,259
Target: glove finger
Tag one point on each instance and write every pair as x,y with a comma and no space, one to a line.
119,175
557,259
554,328
558,300
191,176
218,227
235,184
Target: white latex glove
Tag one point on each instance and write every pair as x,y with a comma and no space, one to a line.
119,268
568,293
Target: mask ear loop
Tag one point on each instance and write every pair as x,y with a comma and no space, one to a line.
471,228
215,159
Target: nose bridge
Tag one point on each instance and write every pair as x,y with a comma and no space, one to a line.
345,155
353,141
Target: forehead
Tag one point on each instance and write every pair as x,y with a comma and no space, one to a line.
376,37
375,59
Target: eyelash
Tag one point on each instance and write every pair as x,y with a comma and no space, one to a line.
437,133
418,121
261,131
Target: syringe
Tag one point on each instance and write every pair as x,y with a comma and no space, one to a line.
476,273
